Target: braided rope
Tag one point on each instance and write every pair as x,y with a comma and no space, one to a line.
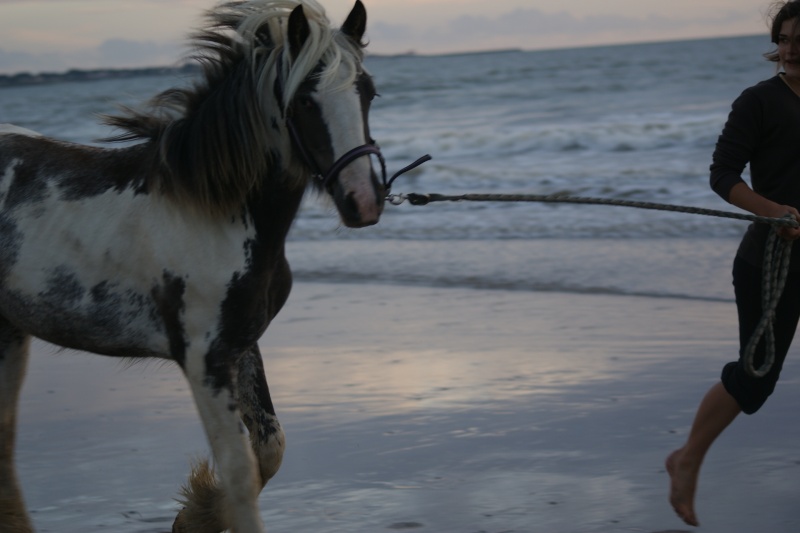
424,199
775,266
776,269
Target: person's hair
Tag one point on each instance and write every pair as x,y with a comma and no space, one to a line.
780,13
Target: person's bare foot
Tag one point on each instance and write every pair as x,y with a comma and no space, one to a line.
683,482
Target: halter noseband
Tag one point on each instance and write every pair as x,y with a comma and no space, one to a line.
371,148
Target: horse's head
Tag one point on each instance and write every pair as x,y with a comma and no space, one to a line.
327,117
283,96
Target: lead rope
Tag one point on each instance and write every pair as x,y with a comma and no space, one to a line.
777,255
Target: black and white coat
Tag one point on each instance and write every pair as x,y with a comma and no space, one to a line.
174,247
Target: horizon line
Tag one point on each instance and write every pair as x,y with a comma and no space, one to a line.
410,53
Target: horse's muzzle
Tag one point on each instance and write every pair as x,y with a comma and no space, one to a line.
359,207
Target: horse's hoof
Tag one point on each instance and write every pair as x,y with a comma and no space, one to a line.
178,525
186,523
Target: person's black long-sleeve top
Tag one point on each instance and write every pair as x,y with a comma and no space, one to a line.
763,129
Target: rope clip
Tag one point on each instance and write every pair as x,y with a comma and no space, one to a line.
395,199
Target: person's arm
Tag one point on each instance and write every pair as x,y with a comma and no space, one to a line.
742,196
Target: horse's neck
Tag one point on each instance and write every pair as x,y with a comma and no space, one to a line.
273,209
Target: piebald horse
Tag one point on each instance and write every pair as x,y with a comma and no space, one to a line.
172,246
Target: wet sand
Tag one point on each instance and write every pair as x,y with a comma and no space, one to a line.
431,410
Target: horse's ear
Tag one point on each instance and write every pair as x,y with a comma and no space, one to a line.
356,24
298,31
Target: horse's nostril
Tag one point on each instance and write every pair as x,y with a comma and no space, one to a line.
351,210
355,213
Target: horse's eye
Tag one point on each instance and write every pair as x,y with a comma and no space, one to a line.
369,96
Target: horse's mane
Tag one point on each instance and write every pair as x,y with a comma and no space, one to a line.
214,143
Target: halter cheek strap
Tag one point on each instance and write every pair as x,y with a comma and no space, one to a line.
366,149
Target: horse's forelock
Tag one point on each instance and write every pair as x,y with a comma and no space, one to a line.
325,46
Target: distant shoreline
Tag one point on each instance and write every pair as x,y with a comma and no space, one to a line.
21,79
81,75
85,75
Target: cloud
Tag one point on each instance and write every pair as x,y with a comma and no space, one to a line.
112,53
179,2
533,28
527,28
12,61
137,53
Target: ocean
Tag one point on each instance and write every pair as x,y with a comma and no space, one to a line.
463,367
633,122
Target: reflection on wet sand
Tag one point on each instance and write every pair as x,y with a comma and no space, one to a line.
441,410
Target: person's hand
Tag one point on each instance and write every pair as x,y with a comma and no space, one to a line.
742,196
787,232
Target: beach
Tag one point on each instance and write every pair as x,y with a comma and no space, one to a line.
464,367
430,409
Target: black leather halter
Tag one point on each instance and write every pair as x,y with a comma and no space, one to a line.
326,179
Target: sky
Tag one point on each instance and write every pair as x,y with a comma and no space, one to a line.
56,35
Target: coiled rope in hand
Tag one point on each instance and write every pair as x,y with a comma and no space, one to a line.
777,253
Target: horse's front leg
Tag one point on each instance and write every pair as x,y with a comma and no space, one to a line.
233,504
258,413
204,501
